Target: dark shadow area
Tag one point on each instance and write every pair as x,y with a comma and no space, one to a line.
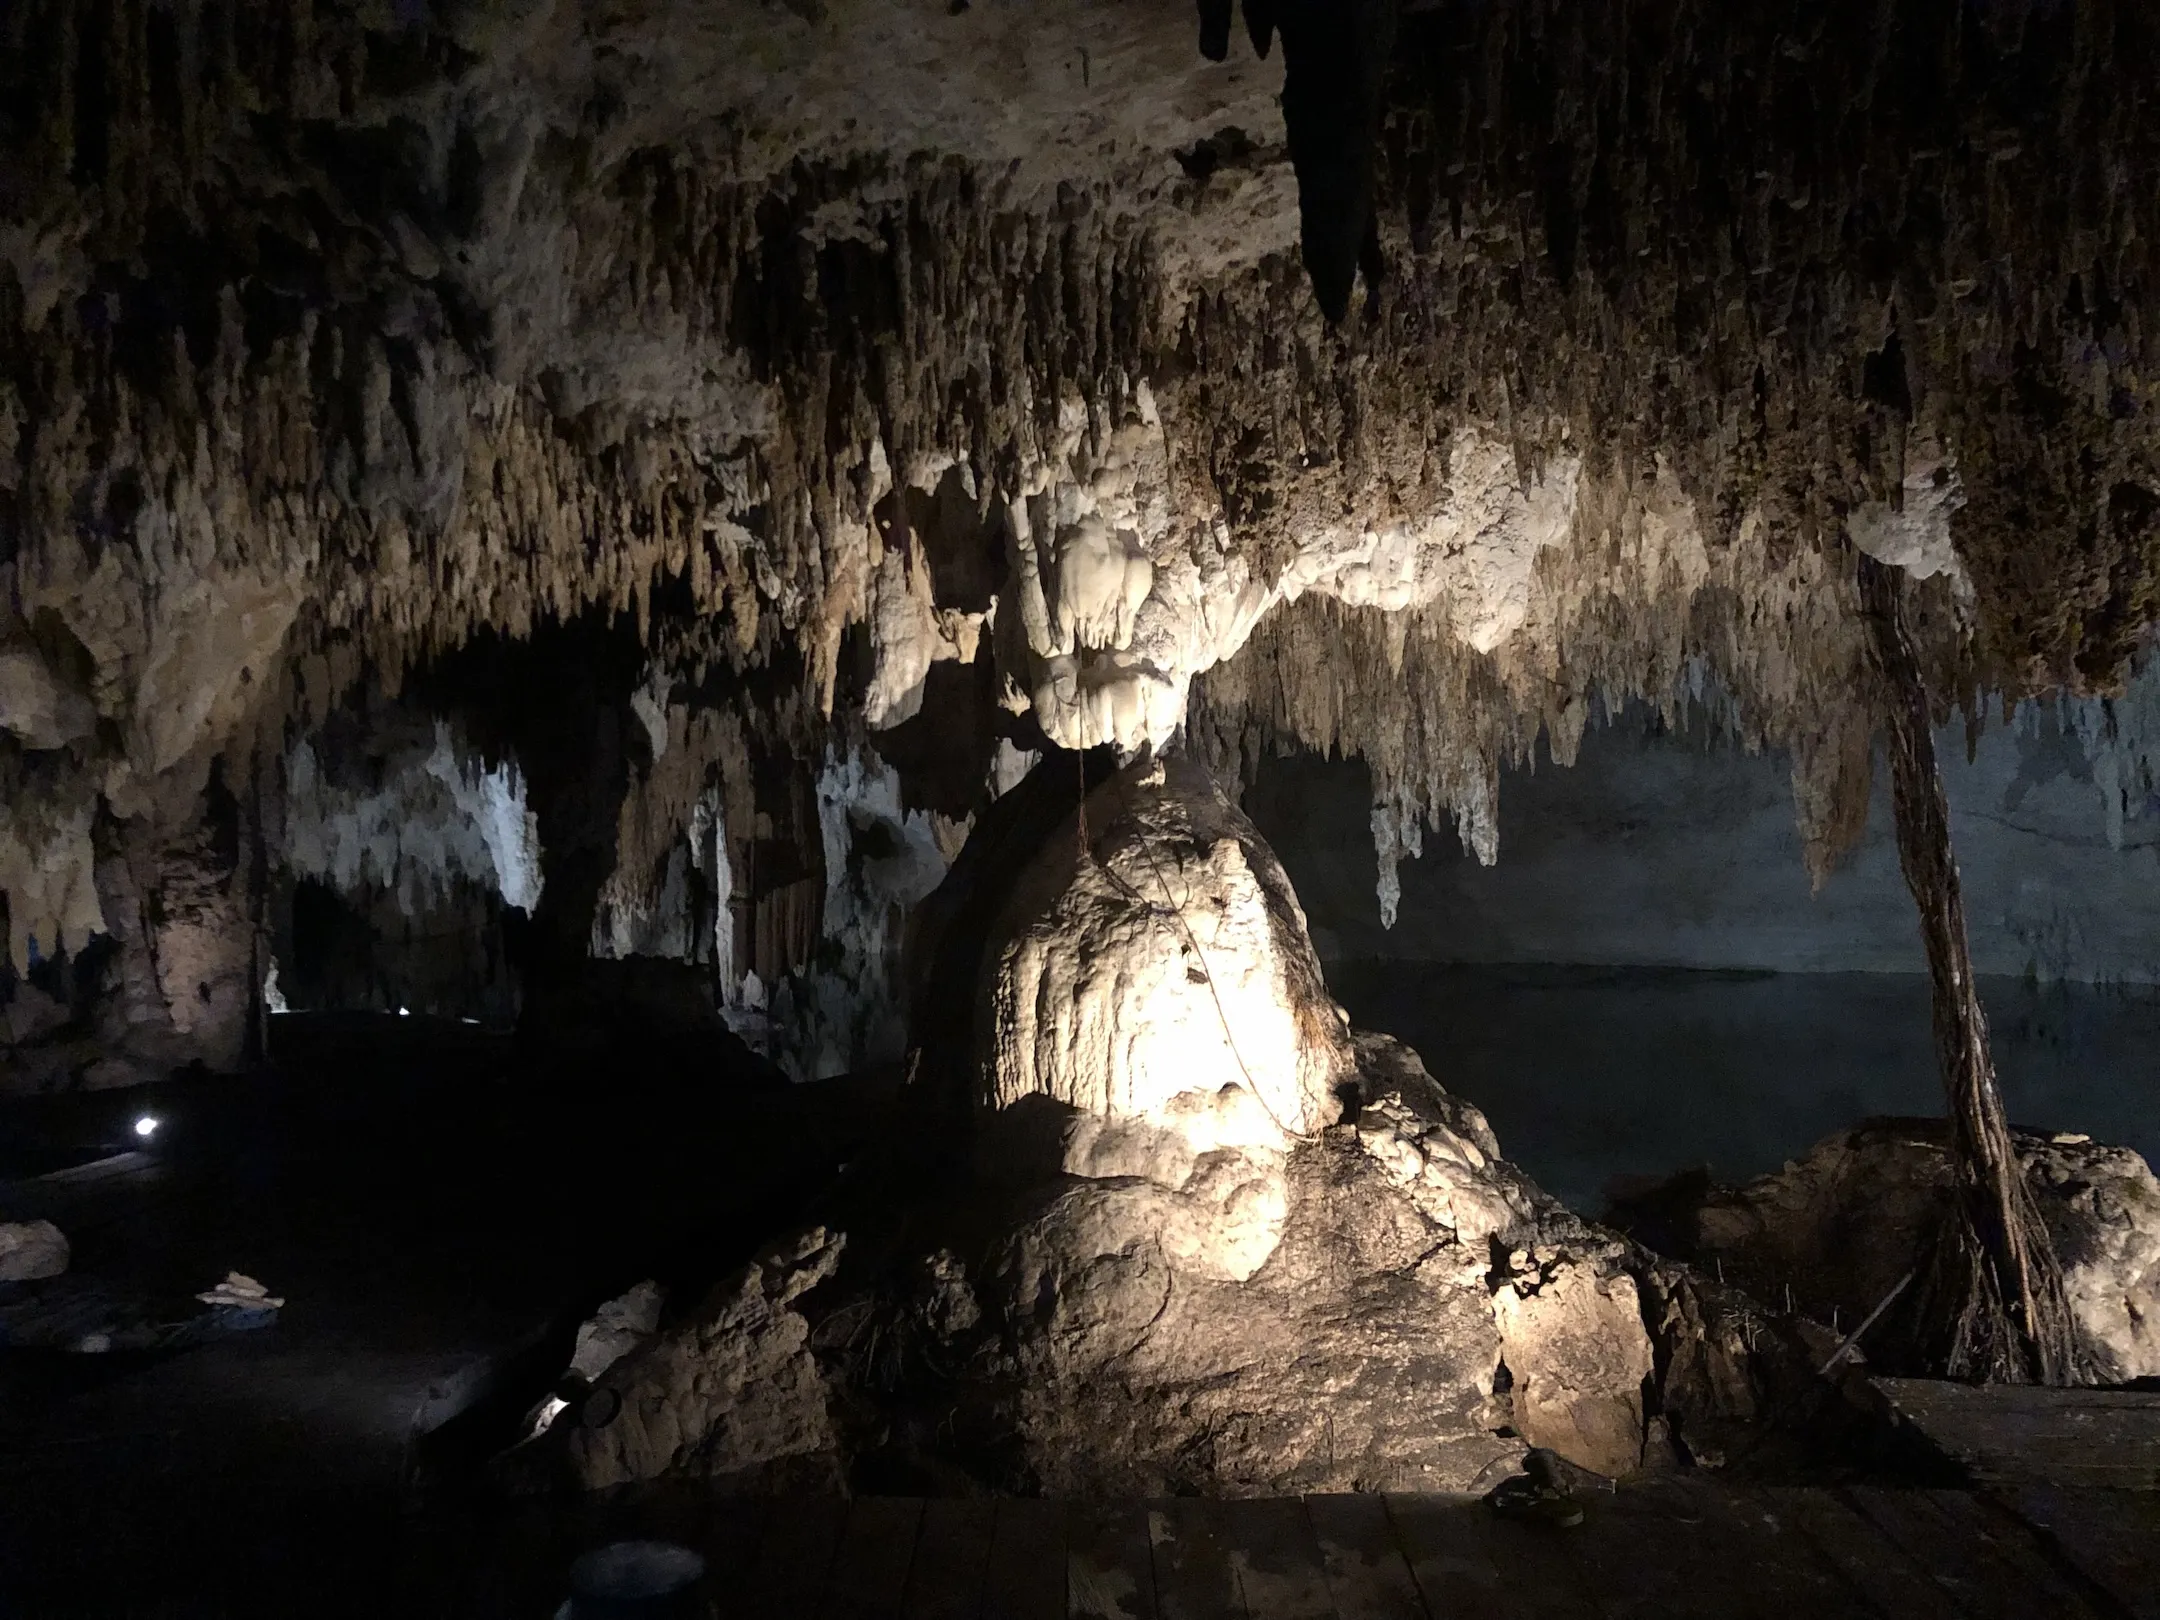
1593,1073
436,1232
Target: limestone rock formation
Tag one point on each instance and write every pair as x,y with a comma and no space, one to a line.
31,1250
1576,1350
876,365
1364,1351
1223,1242
1844,1222
731,1394
1179,1229
618,1327
1156,956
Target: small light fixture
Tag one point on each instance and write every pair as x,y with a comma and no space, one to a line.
146,1126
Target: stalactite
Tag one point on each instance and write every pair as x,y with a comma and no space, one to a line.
330,340
1637,602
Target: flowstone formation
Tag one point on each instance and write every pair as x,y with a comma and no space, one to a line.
1237,1245
907,387
1201,1235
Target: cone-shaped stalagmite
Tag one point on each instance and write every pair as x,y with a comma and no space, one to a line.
1990,1302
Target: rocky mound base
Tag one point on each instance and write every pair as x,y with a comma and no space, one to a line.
1196,1235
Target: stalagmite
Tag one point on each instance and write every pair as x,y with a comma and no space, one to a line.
1990,1301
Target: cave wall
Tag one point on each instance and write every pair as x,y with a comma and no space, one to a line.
1645,981
1675,848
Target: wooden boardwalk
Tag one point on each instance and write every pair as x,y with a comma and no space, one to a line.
2008,1434
1672,1550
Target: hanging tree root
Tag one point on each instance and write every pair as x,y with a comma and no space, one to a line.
1989,1304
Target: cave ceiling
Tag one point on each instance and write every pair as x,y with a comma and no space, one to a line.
955,373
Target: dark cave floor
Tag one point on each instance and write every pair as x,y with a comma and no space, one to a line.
1678,1549
437,1234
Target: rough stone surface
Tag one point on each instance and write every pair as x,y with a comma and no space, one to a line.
1177,1270
1578,1357
1157,955
1124,1343
1844,1222
731,1394
423,820
1361,1353
30,1250
618,1327
1142,1277
1151,983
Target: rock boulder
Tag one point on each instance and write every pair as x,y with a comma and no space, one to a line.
732,1394
1844,1222
31,1250
1235,1245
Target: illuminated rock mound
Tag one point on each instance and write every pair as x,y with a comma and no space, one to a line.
1242,1247
1181,1228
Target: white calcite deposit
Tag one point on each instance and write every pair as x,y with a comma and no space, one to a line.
438,816
1205,1281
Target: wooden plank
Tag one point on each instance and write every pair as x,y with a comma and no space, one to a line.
1871,1564
550,1535
870,1569
1193,1580
2017,1434
2113,1537
1110,1571
1024,1578
1783,1568
1660,1550
1949,1395
1691,1546
952,1552
1469,1561
794,1556
1366,1572
1988,1563
521,1566
1275,1558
